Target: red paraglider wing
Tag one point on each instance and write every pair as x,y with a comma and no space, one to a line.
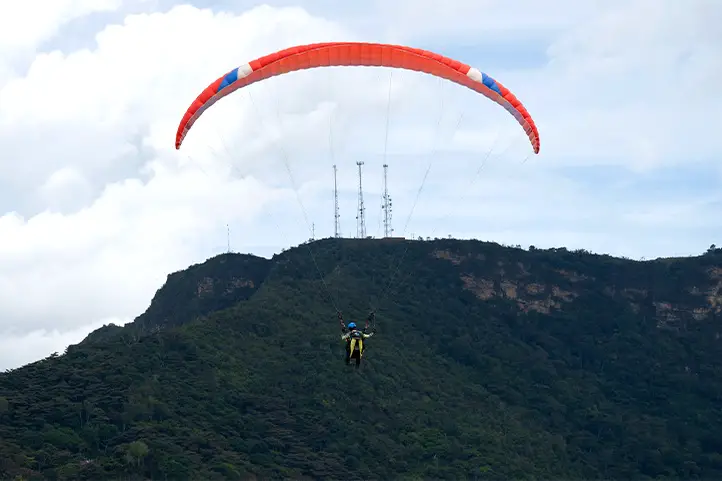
358,54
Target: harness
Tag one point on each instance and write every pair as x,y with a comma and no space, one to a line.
356,342
355,339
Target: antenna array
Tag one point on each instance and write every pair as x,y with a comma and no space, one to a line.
361,215
388,230
336,215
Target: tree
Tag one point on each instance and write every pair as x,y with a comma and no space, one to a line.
137,451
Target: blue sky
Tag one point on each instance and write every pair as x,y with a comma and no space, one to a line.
96,207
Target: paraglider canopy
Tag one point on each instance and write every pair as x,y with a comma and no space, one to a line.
357,54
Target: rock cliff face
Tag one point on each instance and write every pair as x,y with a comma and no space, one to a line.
521,281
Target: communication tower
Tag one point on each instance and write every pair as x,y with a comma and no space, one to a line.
388,230
336,215
361,215
228,238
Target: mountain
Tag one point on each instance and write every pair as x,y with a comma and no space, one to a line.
489,362
199,290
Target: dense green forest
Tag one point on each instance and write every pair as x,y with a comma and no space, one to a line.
489,362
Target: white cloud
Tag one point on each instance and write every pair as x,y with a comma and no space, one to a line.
29,24
96,207
20,348
24,26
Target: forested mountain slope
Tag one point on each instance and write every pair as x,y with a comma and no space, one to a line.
489,363
199,290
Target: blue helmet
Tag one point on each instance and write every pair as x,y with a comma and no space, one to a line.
352,325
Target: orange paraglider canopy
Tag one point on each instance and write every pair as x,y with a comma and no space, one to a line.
358,54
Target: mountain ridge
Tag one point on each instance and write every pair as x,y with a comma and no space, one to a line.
490,362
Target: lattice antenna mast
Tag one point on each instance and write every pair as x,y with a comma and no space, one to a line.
228,238
336,215
388,230
361,215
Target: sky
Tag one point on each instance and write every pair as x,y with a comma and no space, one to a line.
97,207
